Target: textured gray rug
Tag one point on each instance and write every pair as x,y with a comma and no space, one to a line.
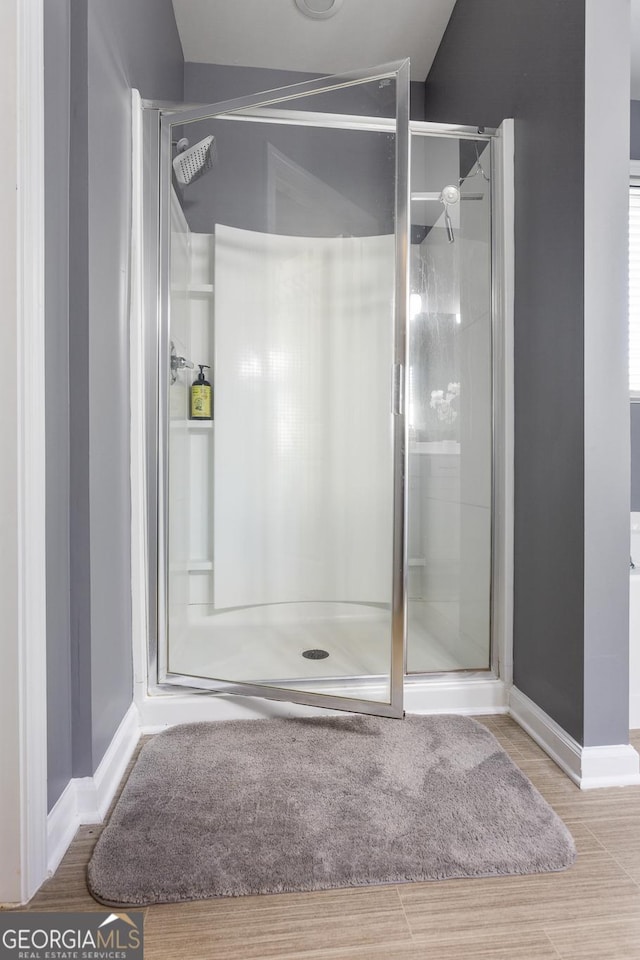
264,806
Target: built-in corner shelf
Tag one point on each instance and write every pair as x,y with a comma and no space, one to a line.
192,566
191,424
450,448
193,290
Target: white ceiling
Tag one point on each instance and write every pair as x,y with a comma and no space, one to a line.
275,34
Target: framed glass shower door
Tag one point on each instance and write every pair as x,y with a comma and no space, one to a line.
284,239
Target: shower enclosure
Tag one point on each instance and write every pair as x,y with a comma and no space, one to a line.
328,533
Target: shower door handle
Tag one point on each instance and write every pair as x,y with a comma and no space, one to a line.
398,390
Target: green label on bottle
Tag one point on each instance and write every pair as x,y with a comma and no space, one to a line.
200,402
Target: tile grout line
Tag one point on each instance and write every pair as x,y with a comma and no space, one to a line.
606,848
552,944
616,861
404,914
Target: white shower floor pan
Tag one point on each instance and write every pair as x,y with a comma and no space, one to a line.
266,643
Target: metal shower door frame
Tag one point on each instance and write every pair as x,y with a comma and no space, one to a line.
401,128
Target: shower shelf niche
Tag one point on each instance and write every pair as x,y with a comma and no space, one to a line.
193,291
191,424
438,448
192,441
192,566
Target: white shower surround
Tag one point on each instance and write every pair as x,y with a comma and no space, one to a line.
303,479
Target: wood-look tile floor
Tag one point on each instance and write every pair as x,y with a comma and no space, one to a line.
591,911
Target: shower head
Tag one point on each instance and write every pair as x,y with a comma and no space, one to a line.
192,162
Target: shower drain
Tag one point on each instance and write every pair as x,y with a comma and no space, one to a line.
315,654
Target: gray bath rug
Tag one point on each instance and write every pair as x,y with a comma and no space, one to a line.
265,806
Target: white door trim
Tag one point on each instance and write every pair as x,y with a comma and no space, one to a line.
23,716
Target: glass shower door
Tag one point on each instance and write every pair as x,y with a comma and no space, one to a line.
450,405
284,243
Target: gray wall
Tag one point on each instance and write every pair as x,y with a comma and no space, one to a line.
635,407
56,402
635,130
499,59
80,600
532,69
105,47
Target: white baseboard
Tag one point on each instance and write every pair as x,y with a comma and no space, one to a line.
87,799
62,822
610,766
614,765
554,740
114,763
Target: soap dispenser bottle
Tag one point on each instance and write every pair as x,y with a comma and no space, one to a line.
200,406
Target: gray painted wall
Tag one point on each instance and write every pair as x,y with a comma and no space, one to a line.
499,59
80,596
56,70
107,47
635,130
635,407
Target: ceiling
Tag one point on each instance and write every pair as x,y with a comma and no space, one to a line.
275,34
